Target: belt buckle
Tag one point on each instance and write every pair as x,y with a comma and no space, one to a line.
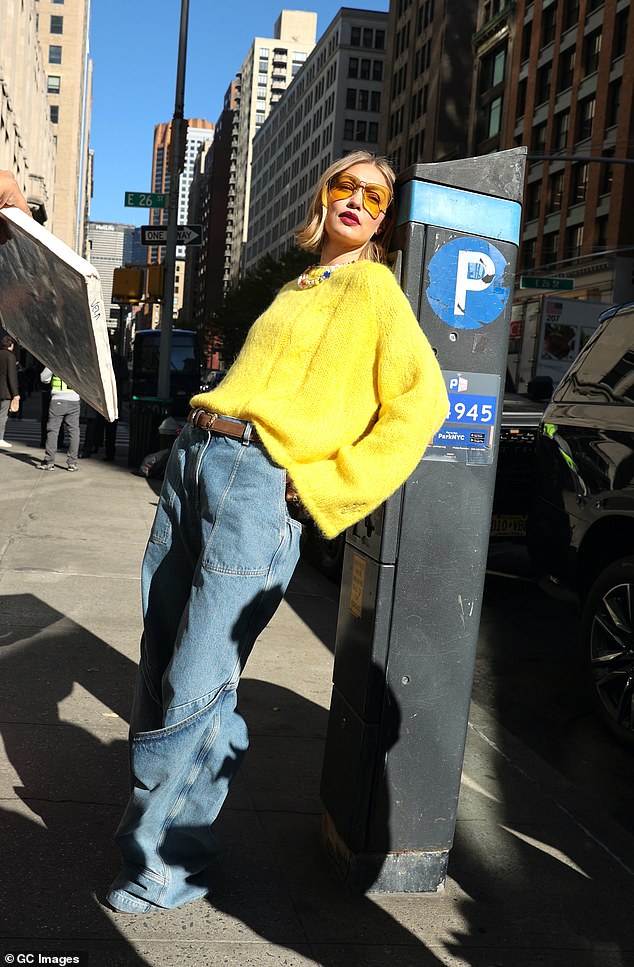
212,417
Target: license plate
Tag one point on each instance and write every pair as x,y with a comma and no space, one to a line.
508,525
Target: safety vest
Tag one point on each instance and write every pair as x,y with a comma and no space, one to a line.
59,385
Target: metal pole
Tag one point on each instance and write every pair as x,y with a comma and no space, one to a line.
178,133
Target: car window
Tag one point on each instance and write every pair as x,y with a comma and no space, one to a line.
604,370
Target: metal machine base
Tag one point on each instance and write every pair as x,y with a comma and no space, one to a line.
411,871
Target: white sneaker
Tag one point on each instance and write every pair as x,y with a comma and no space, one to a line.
5,445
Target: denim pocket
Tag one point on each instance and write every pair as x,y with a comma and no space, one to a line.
247,529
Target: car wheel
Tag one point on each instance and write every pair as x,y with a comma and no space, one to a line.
607,632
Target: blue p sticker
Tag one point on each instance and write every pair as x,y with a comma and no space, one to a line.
465,283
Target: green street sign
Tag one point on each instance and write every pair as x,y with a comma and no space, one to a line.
145,199
530,282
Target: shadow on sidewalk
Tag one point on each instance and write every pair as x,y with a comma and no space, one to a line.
56,838
541,900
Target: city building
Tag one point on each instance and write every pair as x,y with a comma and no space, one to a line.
557,76
110,246
62,27
265,74
198,131
208,270
570,96
194,217
332,107
27,141
425,114
493,53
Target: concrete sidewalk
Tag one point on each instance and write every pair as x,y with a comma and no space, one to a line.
538,878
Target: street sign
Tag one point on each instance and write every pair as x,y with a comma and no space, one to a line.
145,199
529,282
157,235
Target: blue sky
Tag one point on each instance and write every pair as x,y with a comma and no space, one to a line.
134,48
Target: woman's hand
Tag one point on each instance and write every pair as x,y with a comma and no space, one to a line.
10,194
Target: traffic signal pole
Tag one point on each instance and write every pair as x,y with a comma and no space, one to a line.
177,139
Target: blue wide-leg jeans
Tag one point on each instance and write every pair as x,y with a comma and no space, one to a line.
220,555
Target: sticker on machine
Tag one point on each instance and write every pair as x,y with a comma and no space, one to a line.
467,435
466,283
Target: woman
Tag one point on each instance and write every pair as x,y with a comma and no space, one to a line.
331,401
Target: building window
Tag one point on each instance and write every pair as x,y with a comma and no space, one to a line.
591,52
364,99
538,143
54,54
522,87
614,98
549,19
361,130
555,191
54,84
571,14
586,117
566,69
560,138
353,67
527,256
348,130
377,70
620,33
602,232
492,71
533,195
495,117
607,173
543,83
373,132
574,242
379,39
527,35
57,25
351,98
54,113
365,69
375,101
579,184
550,247
355,36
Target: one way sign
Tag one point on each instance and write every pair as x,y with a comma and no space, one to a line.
157,235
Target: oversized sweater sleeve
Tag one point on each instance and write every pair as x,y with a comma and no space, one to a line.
413,404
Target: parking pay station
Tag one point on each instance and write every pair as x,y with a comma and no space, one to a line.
414,570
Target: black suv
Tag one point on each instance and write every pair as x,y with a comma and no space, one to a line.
581,531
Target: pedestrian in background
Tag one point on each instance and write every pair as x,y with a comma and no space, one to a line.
9,387
63,410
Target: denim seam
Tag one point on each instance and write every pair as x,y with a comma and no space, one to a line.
194,772
145,738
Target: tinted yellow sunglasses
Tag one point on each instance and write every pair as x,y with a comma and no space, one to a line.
376,198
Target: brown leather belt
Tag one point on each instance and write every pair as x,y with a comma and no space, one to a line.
213,423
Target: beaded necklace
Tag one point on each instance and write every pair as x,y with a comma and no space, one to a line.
305,281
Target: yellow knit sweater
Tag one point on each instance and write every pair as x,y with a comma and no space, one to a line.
343,388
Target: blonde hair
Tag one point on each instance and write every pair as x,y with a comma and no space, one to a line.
310,235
